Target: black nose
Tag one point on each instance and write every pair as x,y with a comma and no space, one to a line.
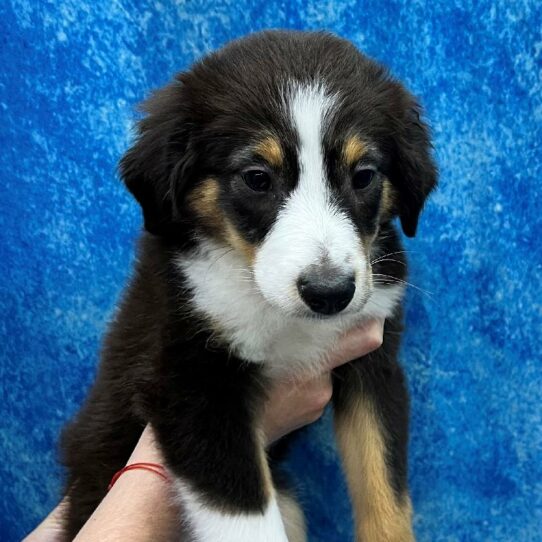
329,296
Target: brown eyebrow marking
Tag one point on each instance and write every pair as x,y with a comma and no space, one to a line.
353,149
270,150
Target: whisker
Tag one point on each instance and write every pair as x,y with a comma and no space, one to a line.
389,279
376,260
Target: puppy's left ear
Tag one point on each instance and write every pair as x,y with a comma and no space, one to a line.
414,172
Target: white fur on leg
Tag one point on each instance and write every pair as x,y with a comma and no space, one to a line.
211,525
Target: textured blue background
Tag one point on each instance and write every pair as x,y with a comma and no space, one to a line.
70,75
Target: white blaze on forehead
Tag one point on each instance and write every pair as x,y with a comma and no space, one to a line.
310,227
310,109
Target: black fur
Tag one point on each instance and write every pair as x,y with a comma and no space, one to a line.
159,364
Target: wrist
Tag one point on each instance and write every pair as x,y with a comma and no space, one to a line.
154,468
145,466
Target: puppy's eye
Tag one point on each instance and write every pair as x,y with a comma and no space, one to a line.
363,178
257,180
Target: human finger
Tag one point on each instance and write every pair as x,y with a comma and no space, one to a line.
358,342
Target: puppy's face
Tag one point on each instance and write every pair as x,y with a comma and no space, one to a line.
302,203
291,149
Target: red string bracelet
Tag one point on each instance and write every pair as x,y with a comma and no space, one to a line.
151,467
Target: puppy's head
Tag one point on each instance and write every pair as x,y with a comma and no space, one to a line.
292,149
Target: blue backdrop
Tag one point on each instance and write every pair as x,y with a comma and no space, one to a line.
71,72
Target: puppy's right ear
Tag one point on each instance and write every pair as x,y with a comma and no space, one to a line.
157,168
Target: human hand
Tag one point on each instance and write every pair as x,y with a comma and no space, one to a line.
293,404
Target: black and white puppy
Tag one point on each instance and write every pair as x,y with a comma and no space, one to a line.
269,175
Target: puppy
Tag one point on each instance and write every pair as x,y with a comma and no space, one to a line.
269,175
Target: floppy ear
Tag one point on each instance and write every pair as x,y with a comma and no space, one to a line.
414,172
156,169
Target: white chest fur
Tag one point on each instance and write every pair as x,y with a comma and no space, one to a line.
224,290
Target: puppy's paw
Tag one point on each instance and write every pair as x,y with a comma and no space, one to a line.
210,524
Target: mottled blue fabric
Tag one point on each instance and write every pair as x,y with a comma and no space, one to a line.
71,72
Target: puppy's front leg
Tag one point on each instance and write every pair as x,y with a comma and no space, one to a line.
206,426
371,420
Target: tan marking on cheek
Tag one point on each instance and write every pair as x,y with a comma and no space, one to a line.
387,201
379,515
237,241
271,151
204,202
353,149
